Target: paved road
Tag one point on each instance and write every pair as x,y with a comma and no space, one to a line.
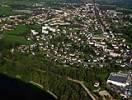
83,86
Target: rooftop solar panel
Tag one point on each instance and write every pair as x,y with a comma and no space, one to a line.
118,78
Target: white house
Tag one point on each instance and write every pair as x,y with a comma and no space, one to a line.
34,32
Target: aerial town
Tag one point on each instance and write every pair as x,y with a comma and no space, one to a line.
78,37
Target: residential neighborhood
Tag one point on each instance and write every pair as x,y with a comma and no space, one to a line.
84,46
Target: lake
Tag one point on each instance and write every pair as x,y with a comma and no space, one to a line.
11,89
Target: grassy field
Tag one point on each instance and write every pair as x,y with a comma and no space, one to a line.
20,30
16,37
5,11
14,40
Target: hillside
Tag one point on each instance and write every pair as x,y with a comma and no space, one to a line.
116,2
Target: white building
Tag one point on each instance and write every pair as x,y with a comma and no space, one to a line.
114,54
34,32
46,29
119,79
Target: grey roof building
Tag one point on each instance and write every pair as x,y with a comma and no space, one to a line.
119,79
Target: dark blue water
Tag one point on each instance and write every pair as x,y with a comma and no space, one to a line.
13,89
